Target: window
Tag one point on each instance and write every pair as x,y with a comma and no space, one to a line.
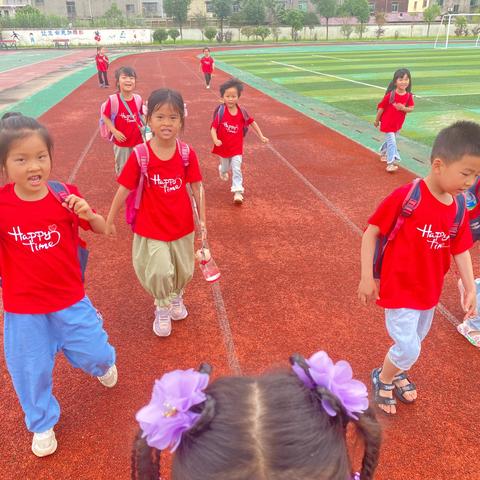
302,6
150,8
455,8
71,10
236,7
39,3
372,7
209,6
130,8
415,6
425,3
394,7
440,3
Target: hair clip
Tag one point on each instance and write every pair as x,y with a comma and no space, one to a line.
167,416
320,371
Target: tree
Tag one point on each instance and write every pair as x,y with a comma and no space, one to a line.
237,21
200,21
160,35
248,32
222,10
253,12
173,34
275,11
294,19
115,15
461,24
177,9
346,29
210,33
358,9
310,20
326,9
380,20
262,32
430,14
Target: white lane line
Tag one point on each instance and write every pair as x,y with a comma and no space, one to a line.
82,157
340,214
330,56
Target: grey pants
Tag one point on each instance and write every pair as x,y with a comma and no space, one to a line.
121,156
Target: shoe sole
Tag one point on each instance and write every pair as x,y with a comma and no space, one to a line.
161,335
46,452
110,385
237,201
179,318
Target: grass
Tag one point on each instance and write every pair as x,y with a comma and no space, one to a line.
353,79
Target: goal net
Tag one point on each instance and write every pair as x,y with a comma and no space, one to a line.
458,29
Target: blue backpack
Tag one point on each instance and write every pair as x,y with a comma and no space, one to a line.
472,202
410,203
220,112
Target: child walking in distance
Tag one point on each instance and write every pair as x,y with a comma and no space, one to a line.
102,62
125,124
418,227
163,249
397,102
207,66
46,309
285,424
229,126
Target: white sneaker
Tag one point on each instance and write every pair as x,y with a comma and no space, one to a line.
391,167
162,325
110,378
208,86
383,157
238,198
178,311
223,176
44,443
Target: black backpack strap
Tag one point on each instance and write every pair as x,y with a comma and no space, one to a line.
460,202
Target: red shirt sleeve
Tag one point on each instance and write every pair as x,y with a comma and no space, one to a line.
410,102
193,173
385,101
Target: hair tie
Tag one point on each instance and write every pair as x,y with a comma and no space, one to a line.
320,371
167,416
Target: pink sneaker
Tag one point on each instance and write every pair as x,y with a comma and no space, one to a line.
473,336
178,311
162,325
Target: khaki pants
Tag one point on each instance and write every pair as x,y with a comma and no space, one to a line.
163,268
121,156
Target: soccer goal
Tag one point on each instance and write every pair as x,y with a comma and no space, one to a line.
464,34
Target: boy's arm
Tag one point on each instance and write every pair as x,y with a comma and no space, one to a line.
465,269
257,130
213,133
377,118
368,287
118,201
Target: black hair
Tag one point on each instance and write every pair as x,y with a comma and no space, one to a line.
14,127
269,426
128,71
459,139
168,96
205,48
232,83
400,73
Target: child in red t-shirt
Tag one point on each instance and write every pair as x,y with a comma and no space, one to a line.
46,309
417,259
127,125
207,66
227,134
163,251
102,66
397,102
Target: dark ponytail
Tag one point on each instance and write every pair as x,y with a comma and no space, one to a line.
145,461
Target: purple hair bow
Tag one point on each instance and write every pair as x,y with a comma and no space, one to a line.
336,377
168,415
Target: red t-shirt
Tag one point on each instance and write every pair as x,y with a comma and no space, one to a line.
165,210
127,124
230,132
39,262
392,119
102,62
417,259
207,64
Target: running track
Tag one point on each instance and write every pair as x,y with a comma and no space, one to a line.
290,266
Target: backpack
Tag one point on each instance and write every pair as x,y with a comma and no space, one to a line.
60,191
220,112
114,107
472,202
410,203
133,200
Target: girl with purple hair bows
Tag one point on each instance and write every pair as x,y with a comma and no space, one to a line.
256,427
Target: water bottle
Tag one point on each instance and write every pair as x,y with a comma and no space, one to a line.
471,200
209,268
148,133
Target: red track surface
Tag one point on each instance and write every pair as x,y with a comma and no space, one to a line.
290,266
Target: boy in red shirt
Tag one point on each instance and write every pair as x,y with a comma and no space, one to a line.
102,66
397,102
418,257
227,132
128,123
207,66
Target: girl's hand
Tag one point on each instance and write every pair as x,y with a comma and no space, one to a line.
366,289
376,123
110,229
469,304
399,107
264,139
119,135
80,207
217,142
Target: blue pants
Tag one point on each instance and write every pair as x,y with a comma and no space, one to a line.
31,343
389,148
235,164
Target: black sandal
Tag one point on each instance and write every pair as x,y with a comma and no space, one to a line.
379,385
399,391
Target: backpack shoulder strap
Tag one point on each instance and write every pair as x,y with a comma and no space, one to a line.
219,112
143,157
460,202
58,189
184,150
410,203
246,116
114,105
138,102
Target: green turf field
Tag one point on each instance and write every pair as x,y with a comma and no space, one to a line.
353,78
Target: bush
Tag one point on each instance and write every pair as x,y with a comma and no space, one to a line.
346,30
227,36
160,35
210,33
379,32
262,32
173,33
248,32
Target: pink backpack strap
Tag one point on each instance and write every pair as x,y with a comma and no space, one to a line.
138,102
113,106
184,150
141,152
